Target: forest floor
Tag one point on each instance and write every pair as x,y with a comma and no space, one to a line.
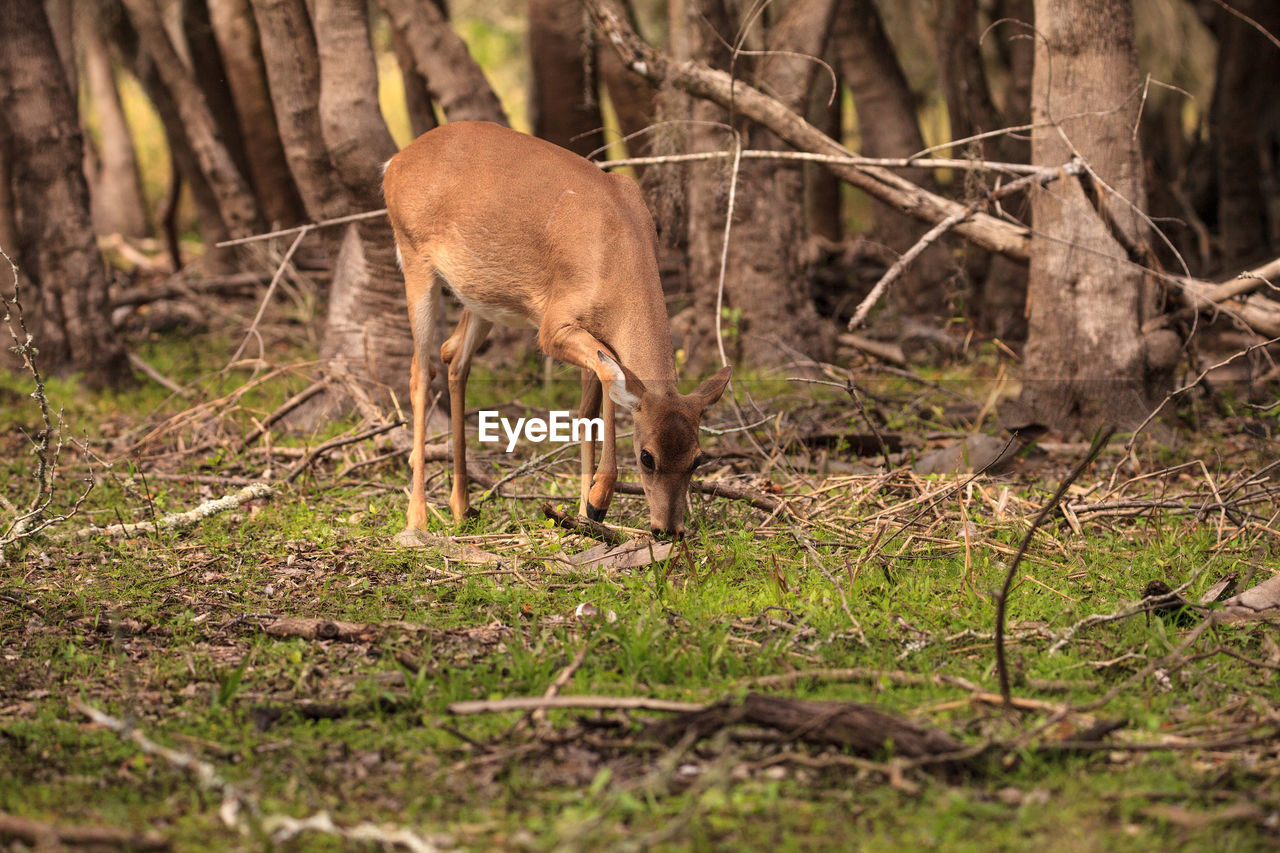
280,673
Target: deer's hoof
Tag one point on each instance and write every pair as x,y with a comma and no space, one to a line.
595,514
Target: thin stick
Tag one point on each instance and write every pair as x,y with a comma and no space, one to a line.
266,297
809,157
891,275
724,249
605,703
1099,442
333,443
554,688
310,226
1075,166
585,526
177,520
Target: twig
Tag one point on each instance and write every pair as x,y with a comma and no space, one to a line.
554,688
285,408
303,229
47,450
266,297
1099,442
240,810
1187,387
177,520
1041,177
899,266
159,378
333,444
605,703
585,526
42,836
810,157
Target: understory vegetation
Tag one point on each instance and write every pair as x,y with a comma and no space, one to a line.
311,666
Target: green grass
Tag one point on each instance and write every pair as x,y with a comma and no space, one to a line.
168,627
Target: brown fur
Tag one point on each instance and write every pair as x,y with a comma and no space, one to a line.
526,233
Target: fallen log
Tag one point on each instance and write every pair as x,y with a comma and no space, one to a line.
860,728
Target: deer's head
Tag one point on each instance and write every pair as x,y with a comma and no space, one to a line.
666,440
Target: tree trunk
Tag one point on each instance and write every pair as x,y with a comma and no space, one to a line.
118,204
366,336
237,39
67,306
8,224
236,204
1248,66
823,207
564,106
456,82
417,94
293,72
765,286
204,60
888,127
1085,360
997,297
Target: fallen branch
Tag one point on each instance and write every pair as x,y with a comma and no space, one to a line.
333,444
717,86
177,520
585,526
719,489
241,811
42,836
1040,177
861,728
584,703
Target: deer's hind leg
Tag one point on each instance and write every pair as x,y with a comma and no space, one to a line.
456,353
422,292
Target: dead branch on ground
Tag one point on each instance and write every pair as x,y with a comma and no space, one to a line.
242,811
177,520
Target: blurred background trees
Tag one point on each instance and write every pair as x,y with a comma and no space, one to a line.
162,127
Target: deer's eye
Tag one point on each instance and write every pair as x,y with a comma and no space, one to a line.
646,460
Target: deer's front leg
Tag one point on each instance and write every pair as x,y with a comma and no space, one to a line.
589,408
574,345
456,353
601,494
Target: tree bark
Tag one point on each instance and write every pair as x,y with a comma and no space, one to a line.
1248,66
564,106
888,127
236,203
118,204
765,280
417,94
1085,357
67,306
293,73
366,336
456,82
237,39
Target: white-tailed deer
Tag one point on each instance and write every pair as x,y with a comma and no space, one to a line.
529,235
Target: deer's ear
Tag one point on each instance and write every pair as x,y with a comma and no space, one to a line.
708,393
625,388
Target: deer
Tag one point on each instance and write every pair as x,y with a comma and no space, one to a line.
527,234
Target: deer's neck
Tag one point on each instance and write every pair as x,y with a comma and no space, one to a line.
641,338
